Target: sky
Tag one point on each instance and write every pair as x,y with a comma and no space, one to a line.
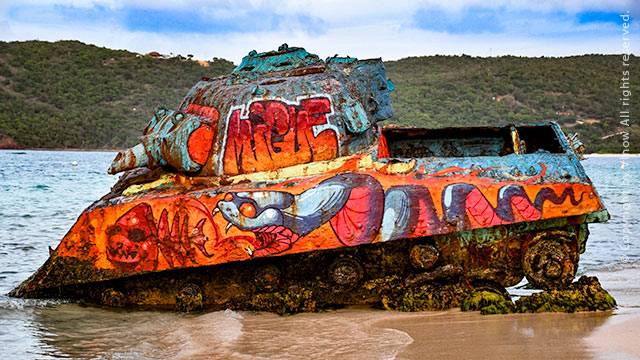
391,29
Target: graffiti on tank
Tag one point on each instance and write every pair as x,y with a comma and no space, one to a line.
351,203
132,241
464,203
135,240
200,140
202,111
347,209
137,243
358,210
270,134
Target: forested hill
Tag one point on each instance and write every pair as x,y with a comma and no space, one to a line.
582,93
72,95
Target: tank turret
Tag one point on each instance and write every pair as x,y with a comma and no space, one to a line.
281,108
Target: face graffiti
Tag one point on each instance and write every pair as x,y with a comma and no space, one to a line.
135,241
132,242
276,134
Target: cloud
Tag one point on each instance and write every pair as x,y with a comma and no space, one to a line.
375,28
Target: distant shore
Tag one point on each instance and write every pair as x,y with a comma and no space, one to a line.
611,155
65,149
117,150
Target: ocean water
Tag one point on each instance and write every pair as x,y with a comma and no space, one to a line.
42,194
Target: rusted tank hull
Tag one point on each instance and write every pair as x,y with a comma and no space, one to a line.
276,183
473,219
310,281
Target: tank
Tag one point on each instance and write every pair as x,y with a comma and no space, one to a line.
277,185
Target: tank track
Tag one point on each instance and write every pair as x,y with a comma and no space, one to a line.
408,275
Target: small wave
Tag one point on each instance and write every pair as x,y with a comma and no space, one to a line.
41,187
10,303
194,336
617,266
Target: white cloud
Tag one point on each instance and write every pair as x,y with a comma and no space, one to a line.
358,28
389,42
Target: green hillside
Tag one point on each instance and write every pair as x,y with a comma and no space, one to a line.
579,92
72,95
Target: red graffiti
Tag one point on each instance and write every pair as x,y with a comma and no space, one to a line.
135,240
275,134
203,111
527,210
358,221
200,142
481,210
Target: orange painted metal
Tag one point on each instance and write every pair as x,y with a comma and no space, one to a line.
184,230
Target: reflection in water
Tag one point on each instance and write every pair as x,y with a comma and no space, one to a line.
71,330
453,334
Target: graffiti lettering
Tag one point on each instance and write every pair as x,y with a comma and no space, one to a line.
275,134
203,111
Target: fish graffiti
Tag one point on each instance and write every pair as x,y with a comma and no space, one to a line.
136,242
354,206
276,134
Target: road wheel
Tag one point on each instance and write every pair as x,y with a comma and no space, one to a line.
547,262
345,272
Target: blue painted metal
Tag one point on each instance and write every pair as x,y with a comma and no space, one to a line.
286,58
340,60
164,143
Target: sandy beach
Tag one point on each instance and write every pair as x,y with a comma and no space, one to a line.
618,338
454,334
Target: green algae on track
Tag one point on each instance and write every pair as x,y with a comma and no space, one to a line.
586,294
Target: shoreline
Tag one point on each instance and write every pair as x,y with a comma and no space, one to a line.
594,155
611,155
65,149
608,334
618,337
456,334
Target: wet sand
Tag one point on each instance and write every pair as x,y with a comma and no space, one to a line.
454,334
70,330
619,338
